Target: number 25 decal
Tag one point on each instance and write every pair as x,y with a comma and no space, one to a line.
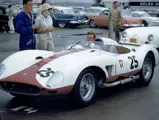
134,62
45,73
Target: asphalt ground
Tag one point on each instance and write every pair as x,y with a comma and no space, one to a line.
126,102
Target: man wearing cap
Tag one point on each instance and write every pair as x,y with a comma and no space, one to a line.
45,25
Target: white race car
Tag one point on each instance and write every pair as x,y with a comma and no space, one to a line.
142,35
77,71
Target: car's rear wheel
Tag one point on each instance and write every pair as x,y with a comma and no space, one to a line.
147,71
145,23
85,88
92,24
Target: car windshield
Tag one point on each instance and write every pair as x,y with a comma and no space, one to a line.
98,45
78,9
67,11
127,13
91,10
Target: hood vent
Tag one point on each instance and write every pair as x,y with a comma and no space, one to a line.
39,57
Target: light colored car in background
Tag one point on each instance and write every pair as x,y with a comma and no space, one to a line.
147,18
142,35
93,11
153,12
102,20
77,9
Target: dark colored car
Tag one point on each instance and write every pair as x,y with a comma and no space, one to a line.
64,16
3,18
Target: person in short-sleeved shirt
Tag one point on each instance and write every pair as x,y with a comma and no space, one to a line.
45,25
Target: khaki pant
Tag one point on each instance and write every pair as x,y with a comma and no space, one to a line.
10,24
44,42
114,26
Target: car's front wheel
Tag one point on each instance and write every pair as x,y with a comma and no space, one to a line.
61,25
147,71
85,88
92,24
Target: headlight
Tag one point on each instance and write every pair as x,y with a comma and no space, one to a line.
124,34
56,79
2,69
150,37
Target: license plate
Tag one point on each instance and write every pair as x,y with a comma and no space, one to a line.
133,40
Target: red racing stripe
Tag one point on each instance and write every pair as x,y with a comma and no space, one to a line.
28,75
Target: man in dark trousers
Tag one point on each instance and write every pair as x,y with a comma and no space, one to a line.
25,26
115,17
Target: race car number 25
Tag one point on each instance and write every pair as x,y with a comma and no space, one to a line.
45,73
134,62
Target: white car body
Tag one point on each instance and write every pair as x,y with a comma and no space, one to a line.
93,11
38,73
145,16
141,35
64,10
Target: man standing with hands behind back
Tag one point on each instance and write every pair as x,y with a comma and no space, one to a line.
115,17
25,26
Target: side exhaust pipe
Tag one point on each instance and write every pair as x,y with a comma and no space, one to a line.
120,82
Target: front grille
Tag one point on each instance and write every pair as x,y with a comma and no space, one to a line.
19,88
80,18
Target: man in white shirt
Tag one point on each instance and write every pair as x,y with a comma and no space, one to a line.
45,25
91,36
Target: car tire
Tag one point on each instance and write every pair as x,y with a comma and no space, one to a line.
92,24
85,88
147,71
145,23
61,25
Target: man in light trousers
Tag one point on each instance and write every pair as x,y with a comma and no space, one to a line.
115,18
10,15
45,25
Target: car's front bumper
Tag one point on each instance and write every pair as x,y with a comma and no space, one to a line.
132,25
79,22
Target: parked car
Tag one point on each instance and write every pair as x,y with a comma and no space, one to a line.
142,35
92,11
65,16
77,9
3,18
154,12
71,72
145,16
102,20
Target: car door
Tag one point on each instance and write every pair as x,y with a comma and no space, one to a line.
102,19
128,63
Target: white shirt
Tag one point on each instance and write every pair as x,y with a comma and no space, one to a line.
44,23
